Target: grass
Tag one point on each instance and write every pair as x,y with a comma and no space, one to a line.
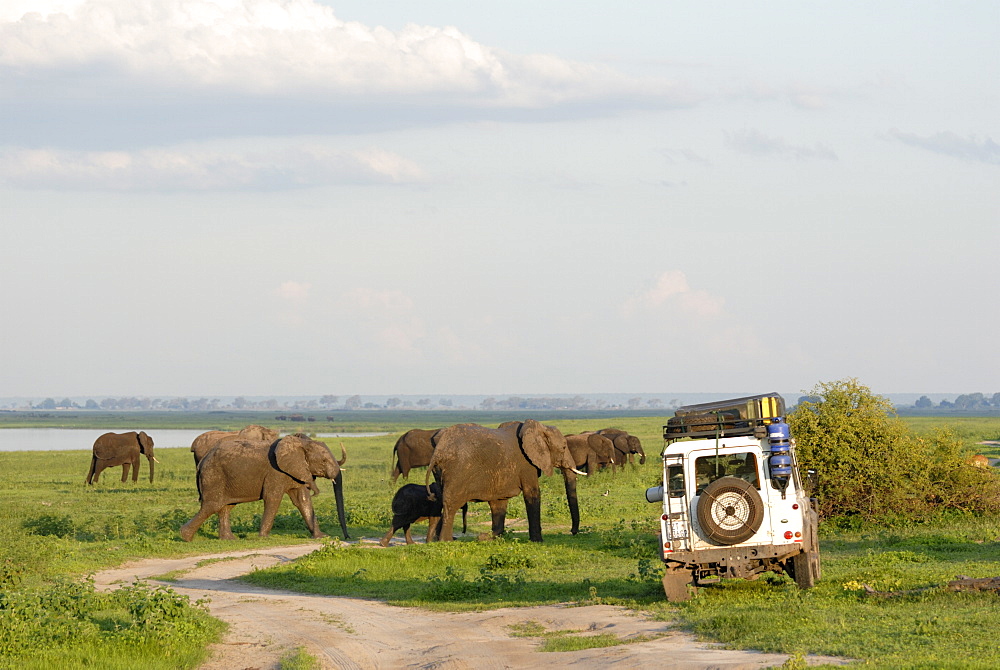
571,640
54,531
299,659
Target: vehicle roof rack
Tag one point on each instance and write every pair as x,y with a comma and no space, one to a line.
726,418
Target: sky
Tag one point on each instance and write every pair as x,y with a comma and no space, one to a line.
298,197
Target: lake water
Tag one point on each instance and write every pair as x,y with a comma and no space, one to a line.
61,439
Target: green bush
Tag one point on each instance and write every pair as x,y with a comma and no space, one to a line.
50,524
872,466
70,615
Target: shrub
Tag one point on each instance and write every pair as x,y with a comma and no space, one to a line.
50,524
870,465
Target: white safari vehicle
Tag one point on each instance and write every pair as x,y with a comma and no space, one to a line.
734,504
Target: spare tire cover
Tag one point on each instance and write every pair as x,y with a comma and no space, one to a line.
730,511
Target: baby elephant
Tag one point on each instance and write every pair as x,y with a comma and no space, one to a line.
410,505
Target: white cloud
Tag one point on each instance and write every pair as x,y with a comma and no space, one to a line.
754,142
269,47
382,303
797,95
293,291
185,169
671,292
984,150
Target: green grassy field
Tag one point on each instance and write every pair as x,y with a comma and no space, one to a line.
54,531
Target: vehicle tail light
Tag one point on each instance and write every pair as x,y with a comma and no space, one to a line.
788,534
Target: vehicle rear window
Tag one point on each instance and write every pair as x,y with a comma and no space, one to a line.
709,468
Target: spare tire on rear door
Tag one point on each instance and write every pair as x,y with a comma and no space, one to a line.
730,510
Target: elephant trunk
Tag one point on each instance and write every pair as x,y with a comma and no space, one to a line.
338,493
151,461
642,457
569,477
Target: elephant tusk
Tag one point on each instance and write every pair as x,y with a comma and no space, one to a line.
580,473
155,460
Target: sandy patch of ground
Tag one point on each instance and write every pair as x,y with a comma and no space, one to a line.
352,633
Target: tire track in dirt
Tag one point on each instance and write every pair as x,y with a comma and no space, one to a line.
355,634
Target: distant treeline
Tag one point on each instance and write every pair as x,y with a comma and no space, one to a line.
967,402
970,402
351,403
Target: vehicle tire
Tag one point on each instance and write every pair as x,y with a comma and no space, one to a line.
678,585
805,567
730,511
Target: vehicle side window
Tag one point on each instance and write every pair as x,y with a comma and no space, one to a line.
709,468
675,481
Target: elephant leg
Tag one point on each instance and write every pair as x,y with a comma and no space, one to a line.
447,524
225,530
135,470
498,509
433,522
533,509
188,530
125,467
433,529
270,511
302,499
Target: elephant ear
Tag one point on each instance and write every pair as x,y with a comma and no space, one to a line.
535,445
290,455
145,443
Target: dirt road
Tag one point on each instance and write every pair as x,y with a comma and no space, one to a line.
362,634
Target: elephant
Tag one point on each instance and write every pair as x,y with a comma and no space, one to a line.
411,504
413,449
474,463
124,449
245,471
591,451
626,446
204,442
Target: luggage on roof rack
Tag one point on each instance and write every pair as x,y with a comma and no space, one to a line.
725,418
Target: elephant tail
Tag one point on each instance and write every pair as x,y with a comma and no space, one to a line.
197,481
427,484
397,463
93,466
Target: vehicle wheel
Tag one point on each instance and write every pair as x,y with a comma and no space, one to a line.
804,569
730,510
807,563
678,585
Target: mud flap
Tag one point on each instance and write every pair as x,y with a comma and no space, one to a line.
678,585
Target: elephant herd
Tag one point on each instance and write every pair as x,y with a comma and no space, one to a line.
235,467
472,463
468,463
